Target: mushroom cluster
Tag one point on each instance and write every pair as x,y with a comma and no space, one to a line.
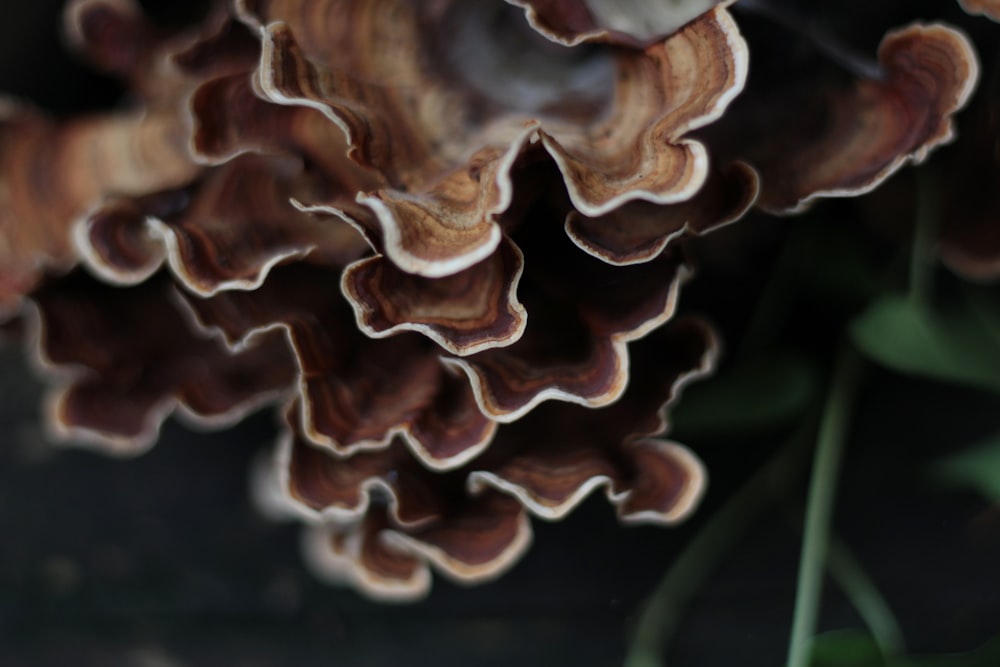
445,239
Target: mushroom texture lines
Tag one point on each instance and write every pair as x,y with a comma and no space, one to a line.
447,241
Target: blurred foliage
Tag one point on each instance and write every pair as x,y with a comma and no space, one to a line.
854,648
955,344
977,468
756,395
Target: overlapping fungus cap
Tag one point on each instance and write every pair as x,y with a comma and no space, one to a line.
396,448
381,517
841,128
125,360
55,171
448,243
989,8
865,120
442,98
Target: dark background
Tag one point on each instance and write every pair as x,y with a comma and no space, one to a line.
162,561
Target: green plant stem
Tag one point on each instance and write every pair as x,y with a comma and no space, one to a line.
819,509
866,598
706,551
925,230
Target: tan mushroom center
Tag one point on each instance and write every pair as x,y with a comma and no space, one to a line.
493,51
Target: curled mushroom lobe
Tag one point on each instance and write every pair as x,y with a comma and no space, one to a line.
446,241
990,8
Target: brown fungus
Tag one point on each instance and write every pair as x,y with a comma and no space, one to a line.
830,140
125,359
988,8
381,517
53,172
637,23
451,244
447,153
582,315
357,393
466,312
476,541
556,456
639,231
225,232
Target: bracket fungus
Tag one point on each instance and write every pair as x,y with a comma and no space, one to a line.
837,139
447,239
381,521
990,8
447,152
125,359
632,22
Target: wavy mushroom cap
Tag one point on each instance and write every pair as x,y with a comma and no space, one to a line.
448,236
226,231
988,8
125,359
843,135
356,393
428,114
382,517
55,172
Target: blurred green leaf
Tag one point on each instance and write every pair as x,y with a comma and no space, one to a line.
977,468
846,648
766,392
954,345
983,305
856,648
986,656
